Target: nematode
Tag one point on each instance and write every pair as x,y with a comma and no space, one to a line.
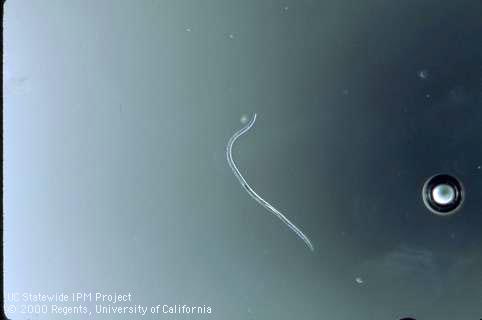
251,191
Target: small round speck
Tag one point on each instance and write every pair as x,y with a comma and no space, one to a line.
443,194
423,74
285,8
345,92
188,29
428,96
359,280
231,36
479,167
244,119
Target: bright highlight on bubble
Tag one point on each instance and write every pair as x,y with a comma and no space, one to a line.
443,194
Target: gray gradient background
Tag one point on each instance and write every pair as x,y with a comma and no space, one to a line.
117,114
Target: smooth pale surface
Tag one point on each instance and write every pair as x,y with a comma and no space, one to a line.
117,115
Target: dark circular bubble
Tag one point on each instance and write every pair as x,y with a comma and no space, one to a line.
443,194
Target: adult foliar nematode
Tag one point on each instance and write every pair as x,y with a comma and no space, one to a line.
250,190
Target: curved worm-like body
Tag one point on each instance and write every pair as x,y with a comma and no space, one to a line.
250,190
